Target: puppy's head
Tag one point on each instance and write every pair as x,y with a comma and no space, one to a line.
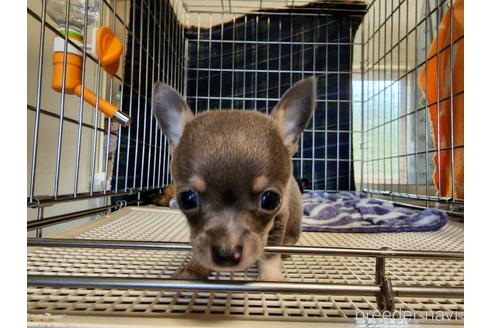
231,170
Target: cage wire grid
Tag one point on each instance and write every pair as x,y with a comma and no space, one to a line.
255,58
399,154
135,223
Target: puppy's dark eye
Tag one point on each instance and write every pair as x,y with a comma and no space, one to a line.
188,200
269,200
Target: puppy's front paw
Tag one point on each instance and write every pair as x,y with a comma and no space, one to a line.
271,276
270,269
192,271
185,274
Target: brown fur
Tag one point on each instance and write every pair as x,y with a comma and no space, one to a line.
165,198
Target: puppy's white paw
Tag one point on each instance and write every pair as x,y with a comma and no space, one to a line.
271,276
270,269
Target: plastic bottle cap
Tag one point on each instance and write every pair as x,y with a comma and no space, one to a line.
59,46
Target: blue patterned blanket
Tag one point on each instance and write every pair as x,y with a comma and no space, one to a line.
355,212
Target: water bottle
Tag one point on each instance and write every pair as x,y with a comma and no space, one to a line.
68,59
56,9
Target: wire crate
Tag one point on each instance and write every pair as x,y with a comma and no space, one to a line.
377,128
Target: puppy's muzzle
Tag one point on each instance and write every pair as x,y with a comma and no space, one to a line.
227,256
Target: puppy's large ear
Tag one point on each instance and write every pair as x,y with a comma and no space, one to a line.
294,111
171,111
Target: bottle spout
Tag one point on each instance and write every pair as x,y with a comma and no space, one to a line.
104,106
122,118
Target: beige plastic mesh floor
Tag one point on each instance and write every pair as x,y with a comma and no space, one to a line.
156,224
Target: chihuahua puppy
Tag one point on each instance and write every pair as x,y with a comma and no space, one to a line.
234,182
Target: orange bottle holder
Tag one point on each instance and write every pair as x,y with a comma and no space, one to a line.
109,50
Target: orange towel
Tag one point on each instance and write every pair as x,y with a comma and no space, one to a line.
435,81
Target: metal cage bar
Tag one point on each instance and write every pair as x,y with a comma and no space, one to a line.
38,101
325,251
238,286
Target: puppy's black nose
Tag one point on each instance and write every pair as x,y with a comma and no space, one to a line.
227,256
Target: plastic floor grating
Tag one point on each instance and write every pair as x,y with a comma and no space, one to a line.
155,224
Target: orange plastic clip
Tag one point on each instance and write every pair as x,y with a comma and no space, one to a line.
108,50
